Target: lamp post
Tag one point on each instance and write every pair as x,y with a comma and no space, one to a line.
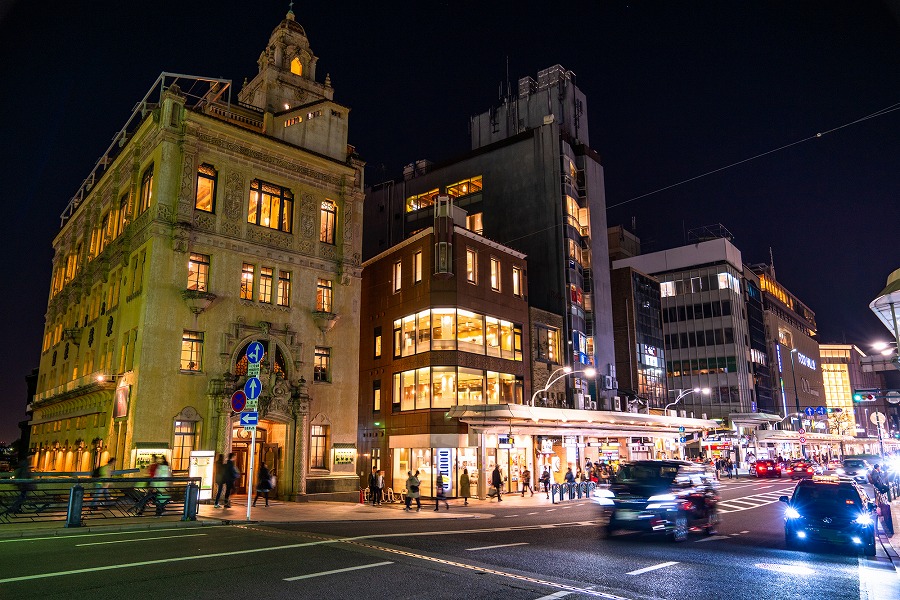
797,398
558,374
684,393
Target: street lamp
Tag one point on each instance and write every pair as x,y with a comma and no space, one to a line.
797,398
559,374
684,393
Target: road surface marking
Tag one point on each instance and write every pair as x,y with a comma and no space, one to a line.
99,534
510,516
766,486
497,546
322,573
162,537
550,509
555,596
745,531
713,537
534,513
653,568
566,507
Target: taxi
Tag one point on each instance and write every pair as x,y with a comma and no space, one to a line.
829,510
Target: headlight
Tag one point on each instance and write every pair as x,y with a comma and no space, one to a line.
864,519
791,513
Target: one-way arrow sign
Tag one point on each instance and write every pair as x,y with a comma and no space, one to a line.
249,418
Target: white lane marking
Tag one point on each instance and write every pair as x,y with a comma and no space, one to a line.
566,507
766,486
162,537
98,534
510,516
555,596
745,531
653,568
323,573
713,537
534,513
550,509
496,546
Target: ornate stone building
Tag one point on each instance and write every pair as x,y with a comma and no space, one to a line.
207,225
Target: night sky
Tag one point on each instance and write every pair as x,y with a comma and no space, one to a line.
675,90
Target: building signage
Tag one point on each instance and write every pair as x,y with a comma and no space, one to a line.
444,459
120,408
806,361
343,456
570,441
202,465
504,442
547,445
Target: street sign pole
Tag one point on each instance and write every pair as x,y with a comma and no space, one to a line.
251,488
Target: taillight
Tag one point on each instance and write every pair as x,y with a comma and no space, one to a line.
809,470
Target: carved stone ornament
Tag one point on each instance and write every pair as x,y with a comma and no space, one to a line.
234,195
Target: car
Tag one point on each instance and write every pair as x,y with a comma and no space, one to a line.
830,510
855,468
765,467
667,497
800,469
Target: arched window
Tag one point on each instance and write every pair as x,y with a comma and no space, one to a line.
296,66
240,368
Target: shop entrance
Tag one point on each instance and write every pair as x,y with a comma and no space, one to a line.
266,451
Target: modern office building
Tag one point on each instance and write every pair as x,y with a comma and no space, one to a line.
532,183
842,376
208,225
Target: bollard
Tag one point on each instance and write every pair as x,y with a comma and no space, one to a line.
553,490
191,502
76,499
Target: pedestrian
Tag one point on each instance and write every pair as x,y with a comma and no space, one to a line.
232,474
379,486
465,486
545,480
372,476
263,483
440,494
219,476
526,482
570,477
497,481
729,466
24,483
412,491
151,468
160,498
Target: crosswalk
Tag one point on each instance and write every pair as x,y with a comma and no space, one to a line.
750,502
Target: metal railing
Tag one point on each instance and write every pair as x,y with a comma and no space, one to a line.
571,491
74,500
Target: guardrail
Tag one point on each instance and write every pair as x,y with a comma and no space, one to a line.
74,500
572,490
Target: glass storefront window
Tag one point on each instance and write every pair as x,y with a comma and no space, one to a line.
408,401
506,339
492,333
471,386
493,387
409,335
443,329
470,332
443,387
423,343
423,387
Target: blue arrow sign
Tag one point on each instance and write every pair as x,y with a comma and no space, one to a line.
820,410
810,411
682,439
255,353
249,418
252,388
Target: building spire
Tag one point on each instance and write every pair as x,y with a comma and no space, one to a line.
290,13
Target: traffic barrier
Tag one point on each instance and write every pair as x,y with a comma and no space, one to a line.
572,490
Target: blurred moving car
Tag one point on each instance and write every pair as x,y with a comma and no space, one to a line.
669,497
829,510
856,468
800,469
765,467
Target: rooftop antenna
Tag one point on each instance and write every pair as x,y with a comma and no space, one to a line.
633,224
772,262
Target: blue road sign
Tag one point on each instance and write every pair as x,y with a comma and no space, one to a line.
820,410
238,401
249,418
681,430
255,353
252,388
810,411
682,439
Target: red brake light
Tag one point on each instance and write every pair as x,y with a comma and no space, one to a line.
809,470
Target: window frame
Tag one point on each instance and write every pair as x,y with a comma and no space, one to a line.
146,189
322,365
318,447
324,295
472,266
200,280
517,282
327,222
247,282
192,343
285,200
496,270
266,281
213,178
397,275
283,294
417,266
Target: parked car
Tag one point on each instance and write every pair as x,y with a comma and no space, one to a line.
831,510
668,497
765,467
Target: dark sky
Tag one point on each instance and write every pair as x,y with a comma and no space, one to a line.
675,89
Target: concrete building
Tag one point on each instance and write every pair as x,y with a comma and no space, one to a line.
553,211
209,225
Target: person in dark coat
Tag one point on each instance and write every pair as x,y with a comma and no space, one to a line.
263,483
25,485
497,481
219,477
465,486
230,476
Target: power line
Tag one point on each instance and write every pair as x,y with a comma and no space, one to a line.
877,113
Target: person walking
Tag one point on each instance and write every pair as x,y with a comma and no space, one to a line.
440,494
379,486
25,485
412,491
162,471
263,483
372,477
231,475
729,466
545,480
465,486
219,476
104,472
497,481
526,482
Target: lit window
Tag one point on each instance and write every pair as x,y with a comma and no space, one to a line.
271,206
547,344
376,395
123,209
475,224
327,222
378,342
398,271
296,66
198,272
191,351
146,189
322,366
265,284
417,267
318,446
324,295
421,200
471,266
206,189
517,281
247,274
284,288
495,274
667,289
464,187
185,436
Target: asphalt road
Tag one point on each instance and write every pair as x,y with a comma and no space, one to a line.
525,552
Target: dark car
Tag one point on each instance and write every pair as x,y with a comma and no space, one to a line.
765,467
829,510
856,468
800,469
669,497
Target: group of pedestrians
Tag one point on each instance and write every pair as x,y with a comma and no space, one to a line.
226,474
726,466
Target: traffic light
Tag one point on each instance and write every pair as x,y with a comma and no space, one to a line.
863,397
